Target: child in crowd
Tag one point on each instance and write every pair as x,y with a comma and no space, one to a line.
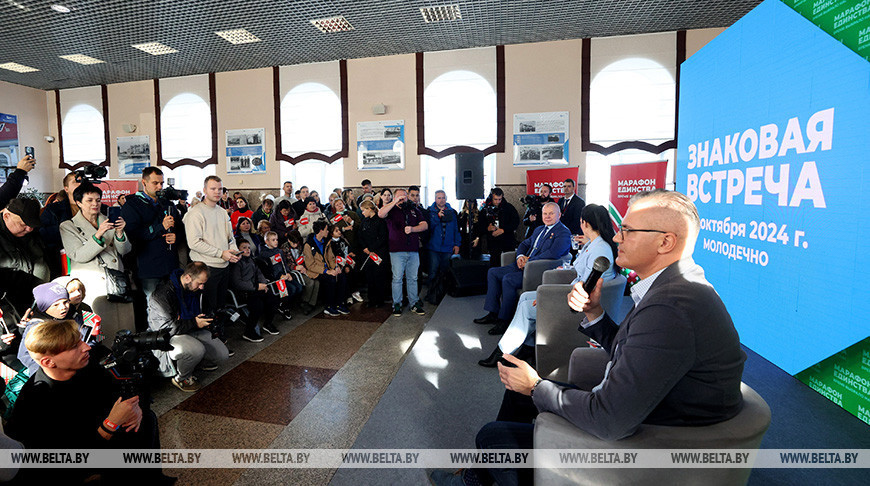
375,254
253,289
322,267
296,258
338,250
276,267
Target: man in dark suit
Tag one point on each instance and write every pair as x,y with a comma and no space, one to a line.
571,206
550,241
675,359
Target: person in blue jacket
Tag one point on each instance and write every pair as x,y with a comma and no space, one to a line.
444,240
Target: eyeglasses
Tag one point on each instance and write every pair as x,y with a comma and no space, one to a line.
626,231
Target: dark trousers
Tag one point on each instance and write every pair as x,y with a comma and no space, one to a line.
378,279
214,295
260,304
333,288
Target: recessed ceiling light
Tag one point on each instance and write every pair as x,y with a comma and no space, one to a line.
82,59
238,36
333,24
61,8
18,68
154,48
441,12
16,4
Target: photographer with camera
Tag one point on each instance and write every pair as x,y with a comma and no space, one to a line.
500,220
534,204
15,180
154,225
71,403
174,305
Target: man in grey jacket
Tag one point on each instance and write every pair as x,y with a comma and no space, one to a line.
674,360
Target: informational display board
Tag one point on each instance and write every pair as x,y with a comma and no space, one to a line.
554,177
773,149
380,145
134,155
246,151
541,138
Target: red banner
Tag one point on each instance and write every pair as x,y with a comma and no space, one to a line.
553,177
112,188
629,179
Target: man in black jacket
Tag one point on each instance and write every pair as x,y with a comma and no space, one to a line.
22,257
500,220
153,224
92,415
174,305
571,206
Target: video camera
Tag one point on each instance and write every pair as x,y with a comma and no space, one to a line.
172,194
532,201
220,319
131,358
91,173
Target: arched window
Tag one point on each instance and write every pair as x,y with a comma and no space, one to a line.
311,122
185,128
83,135
460,109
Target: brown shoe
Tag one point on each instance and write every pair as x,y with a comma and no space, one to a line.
189,385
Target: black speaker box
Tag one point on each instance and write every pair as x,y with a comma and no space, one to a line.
469,176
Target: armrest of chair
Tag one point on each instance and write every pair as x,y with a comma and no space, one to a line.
508,257
556,334
586,368
559,276
533,272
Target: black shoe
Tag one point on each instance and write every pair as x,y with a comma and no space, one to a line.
492,361
270,328
499,328
490,318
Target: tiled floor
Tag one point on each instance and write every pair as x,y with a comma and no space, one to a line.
313,386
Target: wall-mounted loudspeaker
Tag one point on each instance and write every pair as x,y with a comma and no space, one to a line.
469,176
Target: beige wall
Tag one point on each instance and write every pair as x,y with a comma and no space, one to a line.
540,77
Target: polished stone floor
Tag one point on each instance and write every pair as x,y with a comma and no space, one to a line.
312,386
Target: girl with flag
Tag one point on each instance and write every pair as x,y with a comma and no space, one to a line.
333,281
295,258
339,249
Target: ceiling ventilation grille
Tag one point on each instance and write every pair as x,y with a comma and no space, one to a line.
332,24
440,13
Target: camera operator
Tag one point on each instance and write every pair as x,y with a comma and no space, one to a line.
534,204
500,220
154,225
174,305
70,403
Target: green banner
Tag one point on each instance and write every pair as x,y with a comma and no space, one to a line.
848,21
844,378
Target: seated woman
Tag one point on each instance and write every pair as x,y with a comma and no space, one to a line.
244,231
598,230
242,211
311,215
283,220
92,242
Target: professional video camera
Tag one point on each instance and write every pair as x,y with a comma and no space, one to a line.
92,173
219,322
532,201
172,194
131,358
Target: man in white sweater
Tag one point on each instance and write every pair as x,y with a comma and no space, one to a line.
211,241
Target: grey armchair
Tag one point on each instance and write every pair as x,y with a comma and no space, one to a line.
743,431
533,272
556,334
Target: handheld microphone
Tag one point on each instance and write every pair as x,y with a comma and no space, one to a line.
599,266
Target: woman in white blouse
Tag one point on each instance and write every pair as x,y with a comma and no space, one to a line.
91,241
